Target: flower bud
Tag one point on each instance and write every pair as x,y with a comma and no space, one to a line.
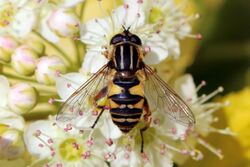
7,46
11,143
48,68
24,60
37,46
64,22
22,97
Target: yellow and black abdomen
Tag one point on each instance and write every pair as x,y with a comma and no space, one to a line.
126,102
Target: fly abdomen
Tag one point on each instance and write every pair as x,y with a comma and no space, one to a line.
126,118
127,111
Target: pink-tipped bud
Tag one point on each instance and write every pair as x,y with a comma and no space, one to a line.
22,97
65,23
7,46
48,68
24,60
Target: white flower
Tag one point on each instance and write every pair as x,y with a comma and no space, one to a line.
159,24
98,32
172,22
70,148
203,112
14,14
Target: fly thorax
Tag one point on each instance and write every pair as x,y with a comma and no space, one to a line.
126,57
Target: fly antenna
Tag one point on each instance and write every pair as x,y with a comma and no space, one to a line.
126,29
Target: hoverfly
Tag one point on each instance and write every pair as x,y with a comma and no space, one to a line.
127,88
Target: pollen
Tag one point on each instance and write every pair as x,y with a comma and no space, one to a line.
6,15
70,150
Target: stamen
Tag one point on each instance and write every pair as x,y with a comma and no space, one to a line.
86,155
210,109
210,148
53,100
226,131
211,95
90,142
109,142
202,84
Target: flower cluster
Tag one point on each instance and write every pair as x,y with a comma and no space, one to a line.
41,44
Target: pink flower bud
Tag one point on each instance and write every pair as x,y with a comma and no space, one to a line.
24,60
22,97
48,68
7,46
65,23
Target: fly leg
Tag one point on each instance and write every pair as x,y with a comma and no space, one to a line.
100,104
147,120
97,119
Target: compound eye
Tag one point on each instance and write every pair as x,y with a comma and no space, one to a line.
116,39
135,39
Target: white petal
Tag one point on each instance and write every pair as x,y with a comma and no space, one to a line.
96,31
132,17
94,162
18,3
44,27
68,83
4,89
186,87
158,50
173,46
71,3
160,160
120,161
93,62
108,128
23,23
11,119
32,142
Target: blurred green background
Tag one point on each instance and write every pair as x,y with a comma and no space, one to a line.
223,57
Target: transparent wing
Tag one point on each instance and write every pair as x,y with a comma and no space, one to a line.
82,100
162,98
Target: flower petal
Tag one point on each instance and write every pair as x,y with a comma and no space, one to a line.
93,61
11,119
186,87
108,128
21,26
70,3
32,142
44,27
158,50
68,83
4,89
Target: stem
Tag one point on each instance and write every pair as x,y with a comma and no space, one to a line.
41,111
64,55
5,64
8,71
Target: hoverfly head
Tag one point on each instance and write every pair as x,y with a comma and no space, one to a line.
125,36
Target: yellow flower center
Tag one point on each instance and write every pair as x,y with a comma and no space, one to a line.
6,15
155,15
70,150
